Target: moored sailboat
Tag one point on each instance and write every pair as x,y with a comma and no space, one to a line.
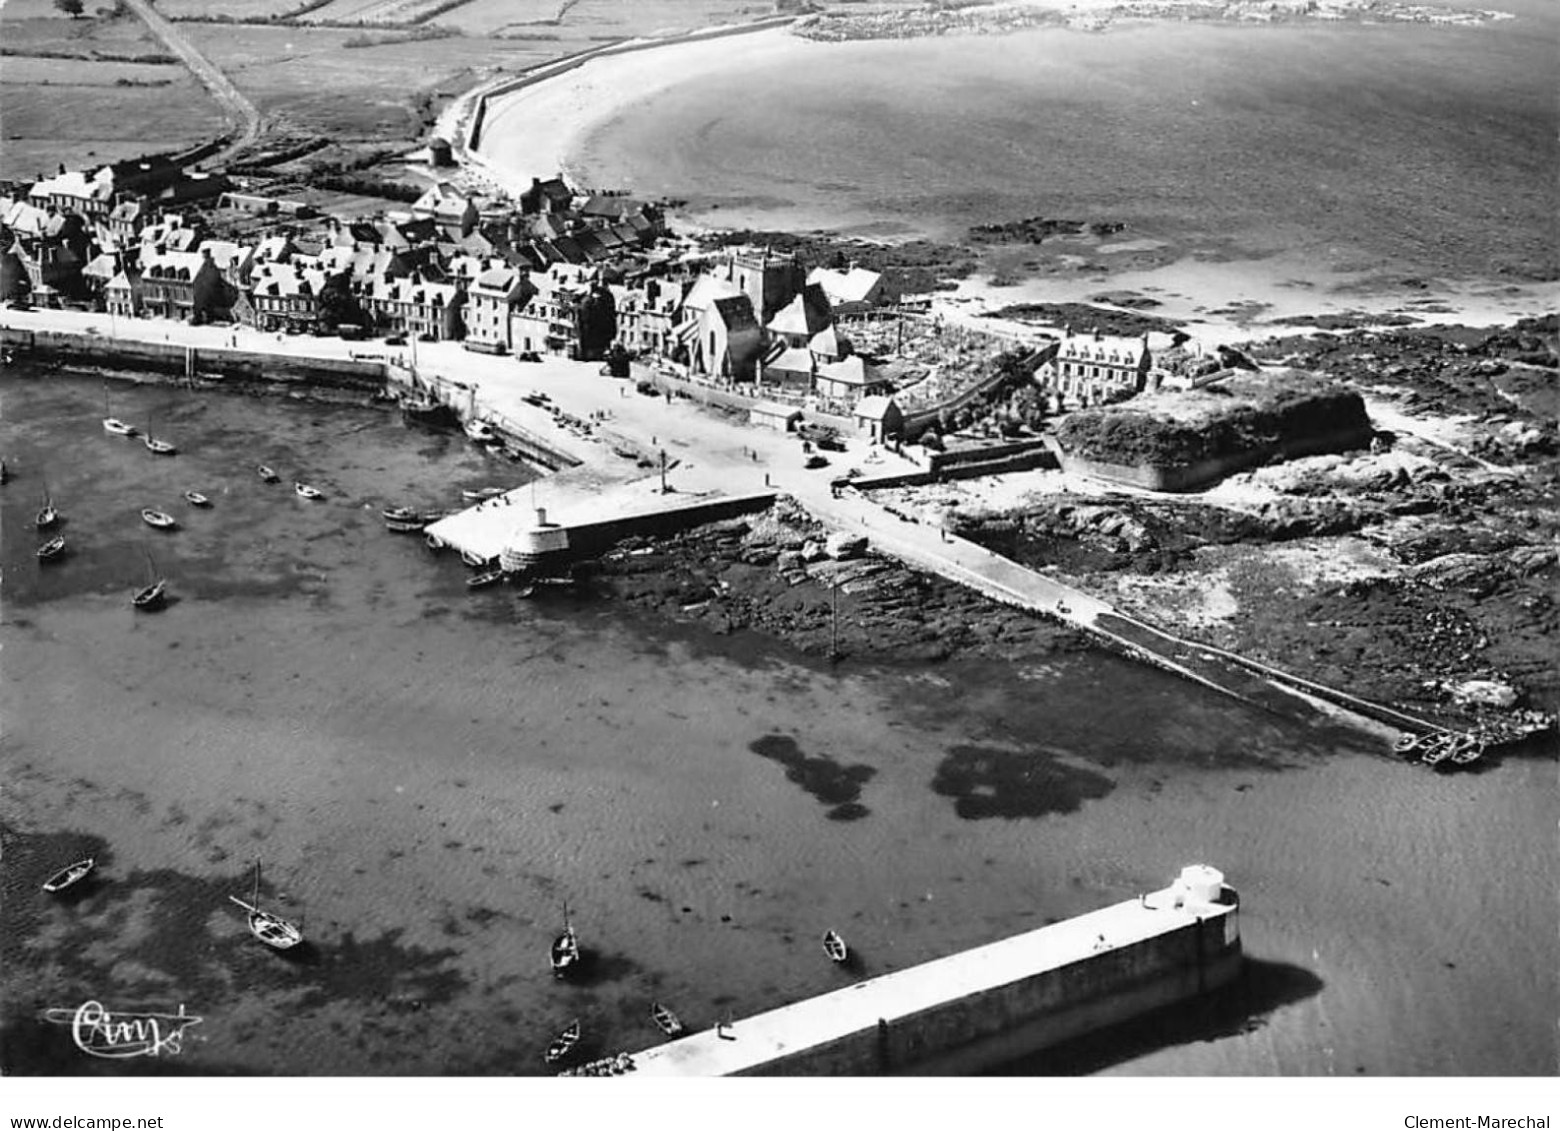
48,514
270,929
154,593
565,953
111,423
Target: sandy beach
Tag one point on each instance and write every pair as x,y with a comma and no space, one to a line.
725,124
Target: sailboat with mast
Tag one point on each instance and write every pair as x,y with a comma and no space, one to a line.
158,447
48,514
111,423
270,929
155,592
565,948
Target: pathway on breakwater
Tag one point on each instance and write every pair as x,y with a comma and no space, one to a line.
710,452
240,111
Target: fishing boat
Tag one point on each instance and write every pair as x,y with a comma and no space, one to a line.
430,413
160,519
563,1044
480,431
565,953
485,578
480,494
400,514
196,499
156,590
70,875
665,1020
270,929
112,424
267,474
52,550
835,948
304,491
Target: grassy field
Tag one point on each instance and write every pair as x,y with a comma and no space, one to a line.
226,9
85,125
26,32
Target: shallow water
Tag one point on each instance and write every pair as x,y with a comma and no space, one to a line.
1398,148
428,774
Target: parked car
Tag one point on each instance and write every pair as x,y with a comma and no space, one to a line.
395,340
814,461
528,355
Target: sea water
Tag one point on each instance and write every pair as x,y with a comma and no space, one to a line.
427,775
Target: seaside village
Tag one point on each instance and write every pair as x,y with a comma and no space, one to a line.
591,276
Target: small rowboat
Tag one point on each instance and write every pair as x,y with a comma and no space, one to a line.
1437,749
304,491
159,519
404,526
160,447
196,499
665,1020
1407,745
70,875
484,579
563,1044
116,427
474,560
565,952
152,596
401,514
835,948
480,494
53,549
267,474
1469,750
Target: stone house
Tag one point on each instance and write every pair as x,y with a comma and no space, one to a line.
1086,369
183,285
492,301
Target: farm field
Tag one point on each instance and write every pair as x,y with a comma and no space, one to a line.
226,9
82,126
29,27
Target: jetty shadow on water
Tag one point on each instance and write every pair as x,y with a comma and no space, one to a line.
1243,1006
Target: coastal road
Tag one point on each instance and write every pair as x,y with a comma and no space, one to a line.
241,112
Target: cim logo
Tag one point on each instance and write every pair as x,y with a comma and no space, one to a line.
119,1036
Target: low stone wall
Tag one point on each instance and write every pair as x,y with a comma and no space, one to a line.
594,538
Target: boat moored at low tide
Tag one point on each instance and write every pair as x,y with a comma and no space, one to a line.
70,875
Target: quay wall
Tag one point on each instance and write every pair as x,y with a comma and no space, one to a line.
1007,1022
593,538
992,1004
188,361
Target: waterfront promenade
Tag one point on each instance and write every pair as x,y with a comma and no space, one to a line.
710,452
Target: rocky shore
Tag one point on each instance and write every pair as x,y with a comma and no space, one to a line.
775,574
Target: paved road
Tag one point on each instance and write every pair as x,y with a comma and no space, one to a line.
241,112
